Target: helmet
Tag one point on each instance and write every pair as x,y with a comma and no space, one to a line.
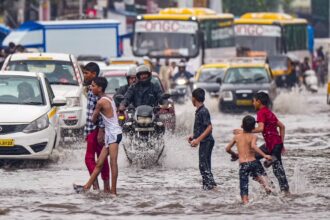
143,69
131,72
181,64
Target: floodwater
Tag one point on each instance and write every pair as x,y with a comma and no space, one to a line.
172,190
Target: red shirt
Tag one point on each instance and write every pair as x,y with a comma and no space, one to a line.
270,133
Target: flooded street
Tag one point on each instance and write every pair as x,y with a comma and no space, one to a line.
172,190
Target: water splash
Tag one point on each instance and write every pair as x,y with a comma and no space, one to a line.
292,102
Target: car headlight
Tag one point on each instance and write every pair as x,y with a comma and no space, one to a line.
181,81
144,120
227,96
38,124
72,101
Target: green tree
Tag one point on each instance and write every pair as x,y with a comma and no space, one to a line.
239,7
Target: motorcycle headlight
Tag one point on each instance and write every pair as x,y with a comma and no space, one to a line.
144,120
181,81
38,124
72,101
227,96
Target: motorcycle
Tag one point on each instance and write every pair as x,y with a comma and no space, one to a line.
181,90
310,81
144,135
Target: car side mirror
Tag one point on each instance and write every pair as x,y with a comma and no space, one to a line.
59,101
219,80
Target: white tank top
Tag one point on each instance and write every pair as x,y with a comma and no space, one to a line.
112,126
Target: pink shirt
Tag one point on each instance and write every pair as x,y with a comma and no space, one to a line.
270,133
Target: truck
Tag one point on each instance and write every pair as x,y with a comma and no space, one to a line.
77,37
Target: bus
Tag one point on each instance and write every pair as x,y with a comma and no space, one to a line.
198,35
271,34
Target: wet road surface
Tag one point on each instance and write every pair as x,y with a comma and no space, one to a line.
172,190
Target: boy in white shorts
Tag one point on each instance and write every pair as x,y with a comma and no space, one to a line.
113,134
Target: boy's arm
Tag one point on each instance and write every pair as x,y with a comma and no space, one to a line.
207,131
96,112
230,146
260,128
257,150
282,129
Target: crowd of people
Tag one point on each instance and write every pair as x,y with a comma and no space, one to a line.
11,49
103,134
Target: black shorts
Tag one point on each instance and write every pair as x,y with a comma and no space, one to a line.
253,169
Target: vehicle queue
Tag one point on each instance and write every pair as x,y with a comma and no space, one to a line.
233,81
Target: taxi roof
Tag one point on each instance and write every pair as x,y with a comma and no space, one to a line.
236,62
20,73
40,56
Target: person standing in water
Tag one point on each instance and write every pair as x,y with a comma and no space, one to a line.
113,134
203,137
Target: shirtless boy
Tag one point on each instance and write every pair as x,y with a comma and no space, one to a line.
246,143
113,134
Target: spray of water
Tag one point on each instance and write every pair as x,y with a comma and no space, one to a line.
292,102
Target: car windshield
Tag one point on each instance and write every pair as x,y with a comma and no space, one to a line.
57,72
245,75
114,82
278,63
211,74
20,90
271,45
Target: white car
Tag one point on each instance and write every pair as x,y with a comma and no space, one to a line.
28,120
66,80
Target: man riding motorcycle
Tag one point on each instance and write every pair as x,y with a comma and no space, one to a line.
182,72
131,79
143,92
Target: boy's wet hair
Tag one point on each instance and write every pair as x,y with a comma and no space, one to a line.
249,123
101,82
92,67
263,98
199,94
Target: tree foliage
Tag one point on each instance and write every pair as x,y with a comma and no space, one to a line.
239,7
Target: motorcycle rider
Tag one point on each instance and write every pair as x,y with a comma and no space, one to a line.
131,79
143,92
182,72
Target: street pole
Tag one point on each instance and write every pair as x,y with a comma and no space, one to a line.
80,8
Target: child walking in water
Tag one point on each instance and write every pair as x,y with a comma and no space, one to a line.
203,137
113,134
246,144
268,125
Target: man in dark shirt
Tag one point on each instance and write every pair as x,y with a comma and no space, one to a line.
144,92
203,136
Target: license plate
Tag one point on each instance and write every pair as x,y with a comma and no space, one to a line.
7,142
244,102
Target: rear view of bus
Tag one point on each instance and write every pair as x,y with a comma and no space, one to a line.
197,34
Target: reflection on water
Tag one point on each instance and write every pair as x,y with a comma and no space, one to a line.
172,189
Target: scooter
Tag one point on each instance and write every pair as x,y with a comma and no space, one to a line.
310,81
181,90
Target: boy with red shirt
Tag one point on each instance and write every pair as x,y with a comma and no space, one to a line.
267,125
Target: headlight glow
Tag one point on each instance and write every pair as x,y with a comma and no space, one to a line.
38,124
144,120
72,101
181,81
227,96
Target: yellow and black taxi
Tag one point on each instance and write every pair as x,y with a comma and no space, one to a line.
241,82
209,76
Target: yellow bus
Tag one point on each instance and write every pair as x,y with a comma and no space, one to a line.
269,34
195,34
